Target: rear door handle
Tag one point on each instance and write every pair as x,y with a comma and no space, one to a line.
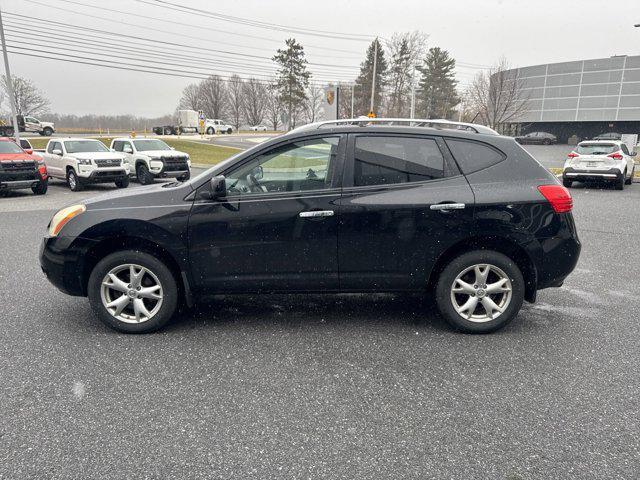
447,206
317,213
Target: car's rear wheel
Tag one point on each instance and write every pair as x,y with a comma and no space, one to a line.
629,180
185,177
229,131
144,176
41,188
133,292
480,291
73,181
567,183
621,181
210,131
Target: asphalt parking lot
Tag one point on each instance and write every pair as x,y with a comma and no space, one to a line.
354,386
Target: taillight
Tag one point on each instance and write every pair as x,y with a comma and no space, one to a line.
573,155
615,156
558,196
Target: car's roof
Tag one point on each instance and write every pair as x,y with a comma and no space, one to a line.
74,139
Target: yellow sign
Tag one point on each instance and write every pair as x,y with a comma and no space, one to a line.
371,114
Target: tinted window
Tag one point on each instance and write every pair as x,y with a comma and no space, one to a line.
474,156
295,167
53,146
381,160
625,150
117,145
25,143
9,147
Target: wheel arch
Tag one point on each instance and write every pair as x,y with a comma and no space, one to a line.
496,243
107,246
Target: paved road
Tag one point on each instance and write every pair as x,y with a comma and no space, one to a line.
356,386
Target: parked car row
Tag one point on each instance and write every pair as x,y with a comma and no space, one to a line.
545,138
84,161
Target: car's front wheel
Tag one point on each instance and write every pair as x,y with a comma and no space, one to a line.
133,292
73,181
567,183
123,182
145,177
480,291
41,188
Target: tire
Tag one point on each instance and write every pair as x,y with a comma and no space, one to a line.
72,181
123,182
144,176
185,177
41,188
155,273
567,183
229,131
501,268
547,142
629,181
47,132
211,131
620,182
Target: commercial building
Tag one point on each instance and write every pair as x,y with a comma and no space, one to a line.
583,98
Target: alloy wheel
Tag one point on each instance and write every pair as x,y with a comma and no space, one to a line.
481,293
131,293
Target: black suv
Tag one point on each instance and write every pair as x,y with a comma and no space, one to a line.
470,218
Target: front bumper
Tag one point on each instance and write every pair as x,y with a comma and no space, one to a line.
103,175
611,174
62,260
18,184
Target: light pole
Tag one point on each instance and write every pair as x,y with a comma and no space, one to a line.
12,98
373,80
413,91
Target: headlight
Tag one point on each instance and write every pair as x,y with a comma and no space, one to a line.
84,161
61,218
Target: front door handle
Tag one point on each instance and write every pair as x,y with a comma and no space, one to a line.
447,206
317,213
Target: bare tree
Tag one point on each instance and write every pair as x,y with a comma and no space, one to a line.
498,96
29,99
405,50
236,105
255,101
212,97
311,105
191,98
274,108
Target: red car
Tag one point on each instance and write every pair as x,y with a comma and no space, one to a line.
19,169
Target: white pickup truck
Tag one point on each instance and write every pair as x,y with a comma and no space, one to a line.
151,158
81,161
217,126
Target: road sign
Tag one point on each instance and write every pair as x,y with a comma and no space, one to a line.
371,114
201,115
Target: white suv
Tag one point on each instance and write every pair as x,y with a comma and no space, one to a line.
604,160
151,158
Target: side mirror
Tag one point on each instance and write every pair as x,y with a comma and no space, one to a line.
633,154
127,149
218,187
29,151
56,151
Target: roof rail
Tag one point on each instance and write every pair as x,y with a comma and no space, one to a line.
411,122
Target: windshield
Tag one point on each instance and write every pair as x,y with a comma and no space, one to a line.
146,145
10,147
80,146
597,148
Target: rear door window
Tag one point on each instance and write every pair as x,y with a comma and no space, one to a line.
384,160
473,156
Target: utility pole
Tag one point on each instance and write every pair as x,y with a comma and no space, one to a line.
12,98
353,87
373,80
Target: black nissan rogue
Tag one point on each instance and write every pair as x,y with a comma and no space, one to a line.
452,210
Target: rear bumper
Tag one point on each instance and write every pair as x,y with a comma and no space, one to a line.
586,174
560,254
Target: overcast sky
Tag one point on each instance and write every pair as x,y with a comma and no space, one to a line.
476,32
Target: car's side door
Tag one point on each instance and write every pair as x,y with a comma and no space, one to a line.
404,203
31,124
276,227
54,160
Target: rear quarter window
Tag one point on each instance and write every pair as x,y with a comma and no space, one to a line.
474,156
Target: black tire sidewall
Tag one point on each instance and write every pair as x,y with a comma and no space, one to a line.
143,174
123,182
169,288
42,187
457,265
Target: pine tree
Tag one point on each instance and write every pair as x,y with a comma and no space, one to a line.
292,79
437,95
363,82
